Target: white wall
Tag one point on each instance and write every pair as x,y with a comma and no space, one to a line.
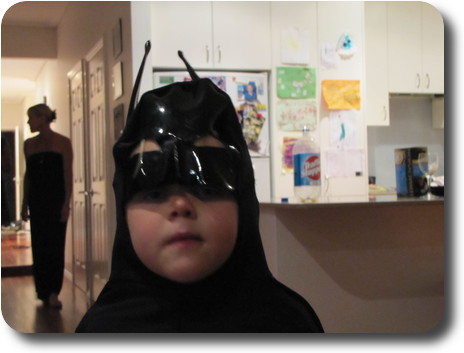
410,126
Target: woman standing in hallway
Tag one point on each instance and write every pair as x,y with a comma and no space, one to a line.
47,194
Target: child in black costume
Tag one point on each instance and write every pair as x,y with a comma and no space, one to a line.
188,255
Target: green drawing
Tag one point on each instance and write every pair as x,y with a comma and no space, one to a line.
296,82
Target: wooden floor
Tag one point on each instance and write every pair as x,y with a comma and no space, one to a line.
16,249
22,311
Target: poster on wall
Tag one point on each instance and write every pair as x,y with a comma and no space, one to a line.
249,94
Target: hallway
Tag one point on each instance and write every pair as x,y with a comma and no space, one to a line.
21,309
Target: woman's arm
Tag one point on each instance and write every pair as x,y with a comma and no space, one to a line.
25,204
68,177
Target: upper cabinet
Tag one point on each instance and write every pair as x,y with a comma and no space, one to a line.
182,26
212,35
376,64
415,48
241,35
433,49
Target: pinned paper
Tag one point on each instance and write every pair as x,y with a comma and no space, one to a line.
344,163
343,125
293,115
345,46
287,154
295,46
342,94
329,56
296,82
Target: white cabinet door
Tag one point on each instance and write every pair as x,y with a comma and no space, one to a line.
242,38
376,64
416,48
433,50
334,19
404,47
286,15
182,26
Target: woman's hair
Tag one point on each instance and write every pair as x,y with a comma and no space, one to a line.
43,110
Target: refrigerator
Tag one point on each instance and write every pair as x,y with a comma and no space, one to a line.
249,92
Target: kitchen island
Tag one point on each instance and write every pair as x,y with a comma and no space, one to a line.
375,266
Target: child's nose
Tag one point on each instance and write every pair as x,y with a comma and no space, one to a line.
182,206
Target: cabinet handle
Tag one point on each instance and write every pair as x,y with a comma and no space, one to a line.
207,53
428,81
418,80
384,113
219,54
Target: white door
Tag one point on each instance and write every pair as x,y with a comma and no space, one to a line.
79,216
98,238
90,227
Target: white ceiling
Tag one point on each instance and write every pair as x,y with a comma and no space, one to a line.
18,75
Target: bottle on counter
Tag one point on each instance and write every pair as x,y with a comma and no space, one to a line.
307,167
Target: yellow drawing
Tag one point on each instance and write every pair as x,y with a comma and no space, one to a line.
342,94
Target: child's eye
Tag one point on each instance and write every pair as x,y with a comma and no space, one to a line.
158,195
209,194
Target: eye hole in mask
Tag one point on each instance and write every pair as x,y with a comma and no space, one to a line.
164,192
207,167
151,145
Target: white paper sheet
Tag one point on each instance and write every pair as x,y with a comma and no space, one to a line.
343,126
329,57
295,46
344,162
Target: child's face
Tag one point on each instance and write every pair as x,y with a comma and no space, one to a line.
183,234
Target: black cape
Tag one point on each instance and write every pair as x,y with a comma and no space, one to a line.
242,296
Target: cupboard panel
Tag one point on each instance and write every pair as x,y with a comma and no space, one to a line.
404,47
182,26
242,38
433,49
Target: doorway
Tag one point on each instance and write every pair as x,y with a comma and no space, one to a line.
9,197
16,242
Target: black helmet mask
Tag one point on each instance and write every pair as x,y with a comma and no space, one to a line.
240,296
173,118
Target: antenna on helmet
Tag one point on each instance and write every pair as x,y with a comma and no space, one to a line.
190,69
135,91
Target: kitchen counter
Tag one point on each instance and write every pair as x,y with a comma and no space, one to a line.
373,266
372,200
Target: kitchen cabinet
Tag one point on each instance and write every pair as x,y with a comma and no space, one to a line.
376,64
415,48
212,35
182,26
301,15
335,18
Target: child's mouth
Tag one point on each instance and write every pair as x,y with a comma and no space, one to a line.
184,238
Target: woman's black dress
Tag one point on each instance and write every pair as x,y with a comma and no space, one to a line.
46,197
